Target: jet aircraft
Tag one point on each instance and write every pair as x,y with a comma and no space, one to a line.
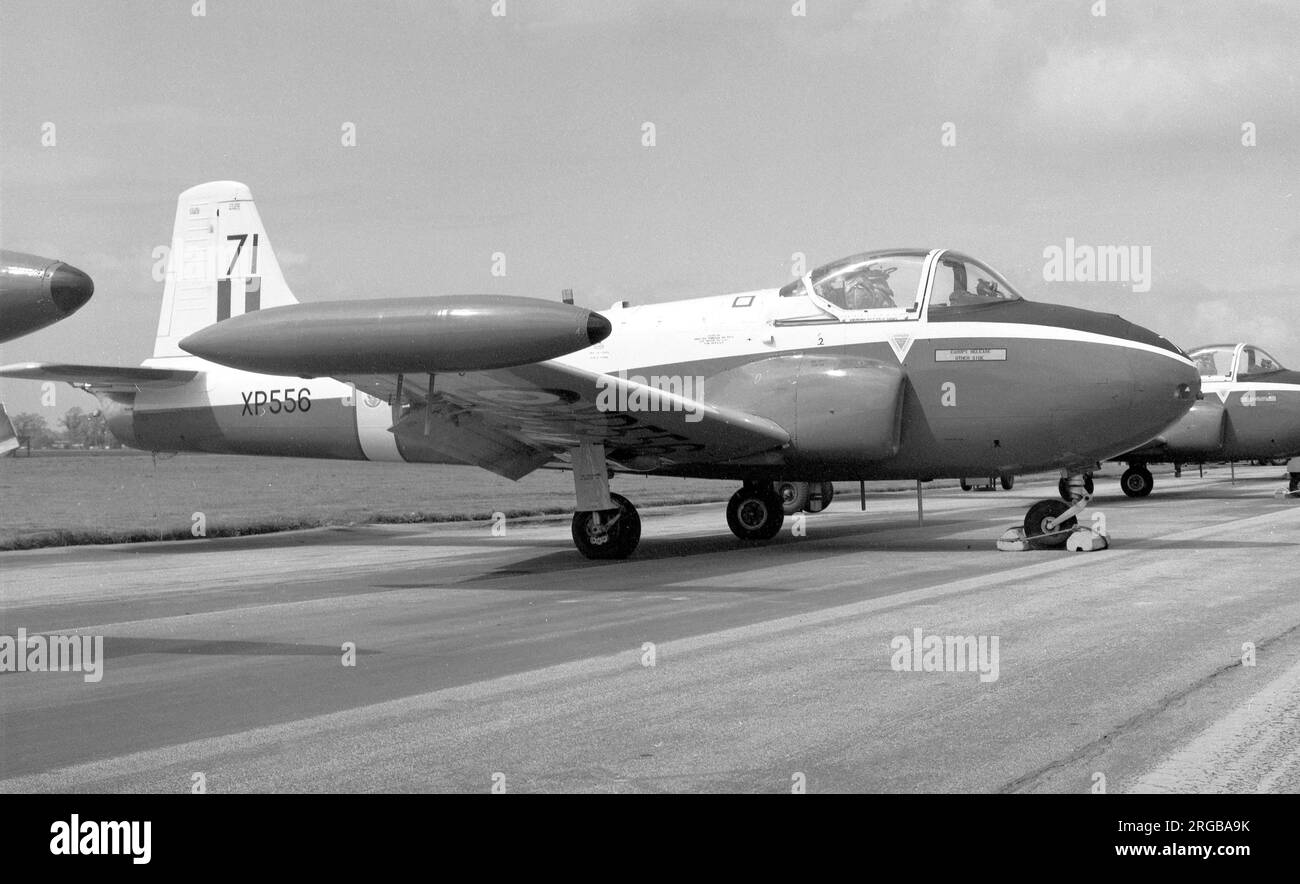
902,363
36,292
1251,411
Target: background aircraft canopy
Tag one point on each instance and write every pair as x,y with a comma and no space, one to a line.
1224,362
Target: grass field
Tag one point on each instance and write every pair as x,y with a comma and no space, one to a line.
111,496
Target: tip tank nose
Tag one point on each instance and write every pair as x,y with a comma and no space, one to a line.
70,288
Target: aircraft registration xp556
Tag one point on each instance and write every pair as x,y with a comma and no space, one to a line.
1251,411
904,363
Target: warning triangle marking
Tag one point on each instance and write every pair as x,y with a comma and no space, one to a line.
901,344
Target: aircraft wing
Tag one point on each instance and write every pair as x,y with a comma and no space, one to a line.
513,420
103,378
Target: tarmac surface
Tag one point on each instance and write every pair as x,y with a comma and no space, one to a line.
701,664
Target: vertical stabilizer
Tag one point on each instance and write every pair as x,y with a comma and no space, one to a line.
221,264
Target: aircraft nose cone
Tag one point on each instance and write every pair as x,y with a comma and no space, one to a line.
598,328
70,288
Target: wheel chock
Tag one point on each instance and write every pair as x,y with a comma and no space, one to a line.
1013,540
1086,540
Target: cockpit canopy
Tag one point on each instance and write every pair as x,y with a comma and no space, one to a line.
889,284
1228,362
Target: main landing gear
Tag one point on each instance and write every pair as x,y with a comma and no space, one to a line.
1137,481
755,512
808,497
1006,480
608,534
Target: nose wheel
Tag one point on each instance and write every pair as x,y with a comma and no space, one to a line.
755,512
608,534
1044,527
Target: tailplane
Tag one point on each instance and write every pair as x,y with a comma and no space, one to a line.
221,264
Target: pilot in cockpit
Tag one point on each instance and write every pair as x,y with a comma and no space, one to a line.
868,289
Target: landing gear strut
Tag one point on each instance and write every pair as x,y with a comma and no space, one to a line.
1063,487
755,512
1137,481
608,534
605,526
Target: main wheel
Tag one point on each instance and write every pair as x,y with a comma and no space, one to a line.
611,536
820,496
1008,481
1039,534
965,486
1137,481
1064,487
755,514
794,496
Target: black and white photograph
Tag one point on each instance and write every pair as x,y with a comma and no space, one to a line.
747,397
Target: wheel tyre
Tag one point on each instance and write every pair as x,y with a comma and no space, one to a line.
1036,531
1136,482
617,542
965,486
1008,482
794,496
755,516
825,493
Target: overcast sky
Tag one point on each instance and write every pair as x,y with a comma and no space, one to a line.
775,134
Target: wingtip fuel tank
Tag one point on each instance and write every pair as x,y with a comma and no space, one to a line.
36,292
382,336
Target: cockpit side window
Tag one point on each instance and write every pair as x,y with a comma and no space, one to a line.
1256,361
962,282
1214,363
886,287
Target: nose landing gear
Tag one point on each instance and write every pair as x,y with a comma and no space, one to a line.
1054,524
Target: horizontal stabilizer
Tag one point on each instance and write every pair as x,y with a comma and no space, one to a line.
107,378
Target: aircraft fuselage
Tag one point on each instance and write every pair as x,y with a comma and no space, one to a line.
999,388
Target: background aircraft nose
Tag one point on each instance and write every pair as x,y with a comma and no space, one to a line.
70,288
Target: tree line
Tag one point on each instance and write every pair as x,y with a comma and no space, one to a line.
77,427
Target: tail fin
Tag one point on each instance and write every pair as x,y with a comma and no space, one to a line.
221,264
